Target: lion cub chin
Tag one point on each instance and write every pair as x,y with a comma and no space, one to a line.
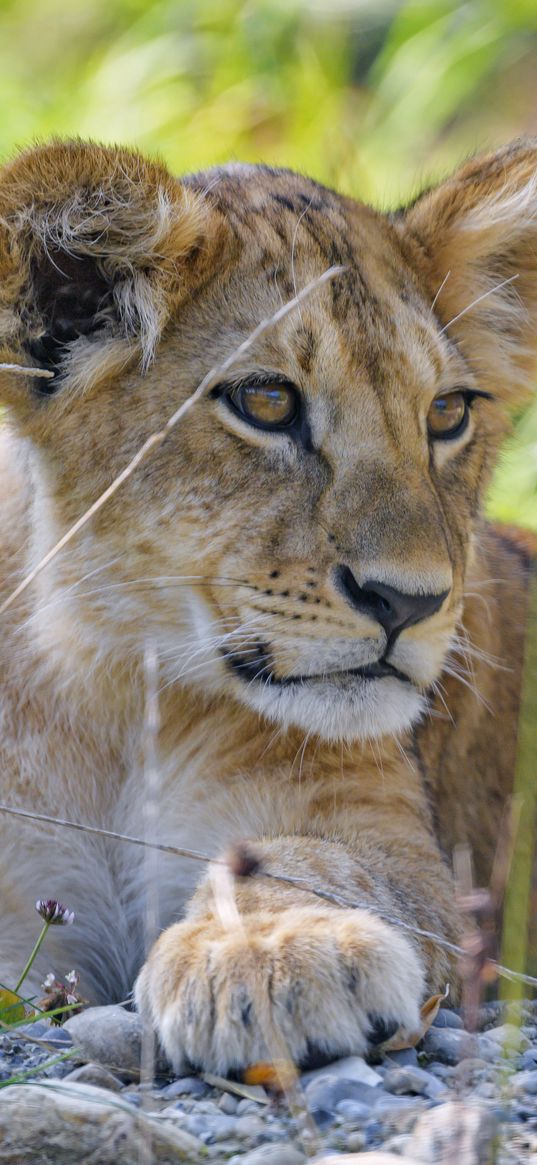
301,554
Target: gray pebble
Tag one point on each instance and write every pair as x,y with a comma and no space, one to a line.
326,1092
353,1110
222,1150
529,1059
447,1018
95,1074
271,1155
412,1080
356,1141
450,1046
57,1036
223,1127
185,1086
245,1106
509,1037
228,1103
109,1035
406,1057
199,1126
443,1071
526,1082
388,1105
486,1090
249,1125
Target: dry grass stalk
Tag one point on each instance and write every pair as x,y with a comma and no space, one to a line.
297,883
151,911
157,438
285,1072
22,370
518,896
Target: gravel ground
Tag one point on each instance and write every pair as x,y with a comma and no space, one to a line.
353,1106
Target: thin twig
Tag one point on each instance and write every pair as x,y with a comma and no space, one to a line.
479,299
150,820
283,879
158,437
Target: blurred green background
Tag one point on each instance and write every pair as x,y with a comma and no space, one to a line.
375,97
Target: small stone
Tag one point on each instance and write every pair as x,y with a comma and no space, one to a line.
348,1068
529,1059
454,1131
185,1086
245,1106
402,1081
509,1037
271,1155
222,1127
490,1014
356,1141
199,1126
110,1036
485,1090
447,1018
228,1103
405,1058
451,1046
525,1082
58,1037
390,1106
95,1074
249,1125
222,1150
353,1111
443,1071
325,1092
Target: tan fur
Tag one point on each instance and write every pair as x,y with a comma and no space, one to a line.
227,541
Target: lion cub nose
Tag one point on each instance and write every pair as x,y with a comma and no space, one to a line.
393,609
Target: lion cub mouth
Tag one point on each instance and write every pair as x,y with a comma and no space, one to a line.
260,670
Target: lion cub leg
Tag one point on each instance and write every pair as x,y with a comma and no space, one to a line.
331,981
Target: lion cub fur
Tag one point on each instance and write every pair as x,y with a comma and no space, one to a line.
228,545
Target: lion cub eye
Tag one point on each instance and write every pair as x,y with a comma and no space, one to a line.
268,406
448,416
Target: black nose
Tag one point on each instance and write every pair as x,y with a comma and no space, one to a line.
392,609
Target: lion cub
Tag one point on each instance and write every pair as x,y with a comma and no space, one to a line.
306,556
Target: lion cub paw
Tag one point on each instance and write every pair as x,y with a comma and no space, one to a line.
331,983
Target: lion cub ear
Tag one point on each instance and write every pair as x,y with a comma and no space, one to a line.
95,245
474,240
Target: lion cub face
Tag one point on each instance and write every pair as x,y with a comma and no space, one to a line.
300,540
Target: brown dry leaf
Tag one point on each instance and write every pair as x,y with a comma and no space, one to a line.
277,1075
428,1013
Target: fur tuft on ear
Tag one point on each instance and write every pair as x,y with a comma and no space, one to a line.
93,249
474,240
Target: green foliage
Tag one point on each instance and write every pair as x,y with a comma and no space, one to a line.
367,95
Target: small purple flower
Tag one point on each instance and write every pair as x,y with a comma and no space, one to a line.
53,912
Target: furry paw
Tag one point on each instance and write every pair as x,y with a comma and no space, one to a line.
331,982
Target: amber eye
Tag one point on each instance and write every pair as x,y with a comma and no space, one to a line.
268,406
448,416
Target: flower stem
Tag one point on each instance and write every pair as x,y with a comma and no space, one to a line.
32,956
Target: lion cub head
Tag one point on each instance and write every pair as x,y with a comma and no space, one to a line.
300,540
